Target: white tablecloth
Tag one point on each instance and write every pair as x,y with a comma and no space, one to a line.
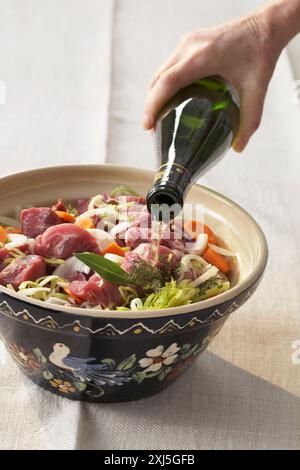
75,74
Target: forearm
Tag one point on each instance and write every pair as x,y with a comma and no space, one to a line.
244,52
283,18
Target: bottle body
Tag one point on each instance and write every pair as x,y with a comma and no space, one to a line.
194,130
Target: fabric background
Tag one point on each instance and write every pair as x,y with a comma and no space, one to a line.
76,73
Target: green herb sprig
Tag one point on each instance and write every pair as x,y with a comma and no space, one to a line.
143,274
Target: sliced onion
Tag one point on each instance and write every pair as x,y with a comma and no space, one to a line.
70,267
48,279
96,201
115,258
126,205
56,301
34,290
103,238
199,245
222,251
16,240
119,229
211,272
16,253
186,261
101,212
136,304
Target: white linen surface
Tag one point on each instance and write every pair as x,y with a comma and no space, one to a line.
76,74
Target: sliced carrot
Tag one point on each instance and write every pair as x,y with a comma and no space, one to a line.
65,216
3,235
216,259
211,236
85,223
194,227
11,229
113,248
78,300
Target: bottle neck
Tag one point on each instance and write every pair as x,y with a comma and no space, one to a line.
169,187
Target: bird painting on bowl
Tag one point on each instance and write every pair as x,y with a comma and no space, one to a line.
86,370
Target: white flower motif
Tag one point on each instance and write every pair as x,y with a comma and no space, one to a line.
158,357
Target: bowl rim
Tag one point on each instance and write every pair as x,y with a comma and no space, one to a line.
173,311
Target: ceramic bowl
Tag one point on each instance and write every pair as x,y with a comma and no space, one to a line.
119,356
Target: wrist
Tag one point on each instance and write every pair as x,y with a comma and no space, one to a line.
283,21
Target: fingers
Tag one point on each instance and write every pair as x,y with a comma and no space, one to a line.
166,86
165,66
252,102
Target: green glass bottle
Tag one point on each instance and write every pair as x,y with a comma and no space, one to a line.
193,131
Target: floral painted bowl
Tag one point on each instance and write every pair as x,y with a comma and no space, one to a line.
120,356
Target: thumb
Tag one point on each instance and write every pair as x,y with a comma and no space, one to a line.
252,103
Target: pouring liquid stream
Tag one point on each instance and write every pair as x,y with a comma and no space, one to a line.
157,230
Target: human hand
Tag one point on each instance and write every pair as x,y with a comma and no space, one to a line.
243,52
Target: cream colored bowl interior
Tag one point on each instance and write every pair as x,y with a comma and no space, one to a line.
231,223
